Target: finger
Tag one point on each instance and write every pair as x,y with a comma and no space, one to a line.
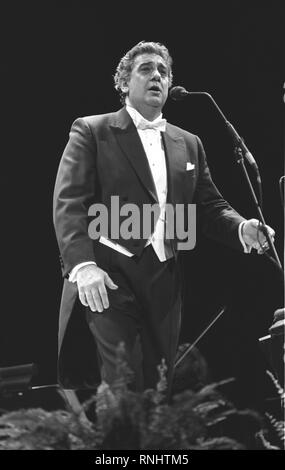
82,297
261,251
263,241
90,300
109,282
256,245
97,300
266,229
263,248
104,296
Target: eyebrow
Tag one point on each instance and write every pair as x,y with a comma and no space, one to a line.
151,62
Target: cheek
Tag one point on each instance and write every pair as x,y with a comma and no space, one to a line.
136,86
166,85
165,91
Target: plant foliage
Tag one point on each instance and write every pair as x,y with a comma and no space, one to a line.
202,419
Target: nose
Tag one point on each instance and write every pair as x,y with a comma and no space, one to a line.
156,75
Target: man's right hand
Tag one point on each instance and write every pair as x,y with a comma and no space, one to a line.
91,283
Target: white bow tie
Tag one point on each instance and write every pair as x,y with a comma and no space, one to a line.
157,124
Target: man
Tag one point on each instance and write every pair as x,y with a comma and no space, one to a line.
128,289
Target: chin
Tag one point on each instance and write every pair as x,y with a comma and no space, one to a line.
155,102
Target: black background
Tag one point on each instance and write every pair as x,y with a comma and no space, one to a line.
59,65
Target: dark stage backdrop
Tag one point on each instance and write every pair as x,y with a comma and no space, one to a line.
59,66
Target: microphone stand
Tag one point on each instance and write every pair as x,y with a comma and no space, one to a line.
191,346
240,152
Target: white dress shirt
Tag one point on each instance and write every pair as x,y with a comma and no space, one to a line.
153,147
152,143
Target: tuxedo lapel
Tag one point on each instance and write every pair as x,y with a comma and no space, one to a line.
175,153
131,146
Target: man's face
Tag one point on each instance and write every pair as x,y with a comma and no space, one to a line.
148,84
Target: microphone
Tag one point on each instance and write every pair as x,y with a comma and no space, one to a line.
178,93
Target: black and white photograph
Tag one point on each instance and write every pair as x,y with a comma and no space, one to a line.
143,230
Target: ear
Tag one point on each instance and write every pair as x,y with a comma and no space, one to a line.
125,86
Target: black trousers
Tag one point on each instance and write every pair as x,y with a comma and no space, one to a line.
144,314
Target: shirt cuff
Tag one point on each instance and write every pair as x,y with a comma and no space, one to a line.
246,248
73,272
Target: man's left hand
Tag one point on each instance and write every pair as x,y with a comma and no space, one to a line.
253,235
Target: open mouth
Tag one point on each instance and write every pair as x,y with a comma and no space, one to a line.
154,88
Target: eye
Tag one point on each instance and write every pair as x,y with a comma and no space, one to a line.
163,72
146,68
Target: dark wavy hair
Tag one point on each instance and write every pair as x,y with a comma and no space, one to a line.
126,64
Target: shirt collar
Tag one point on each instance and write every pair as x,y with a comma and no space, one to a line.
137,117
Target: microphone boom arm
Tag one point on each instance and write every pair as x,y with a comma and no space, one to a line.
241,150
238,141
